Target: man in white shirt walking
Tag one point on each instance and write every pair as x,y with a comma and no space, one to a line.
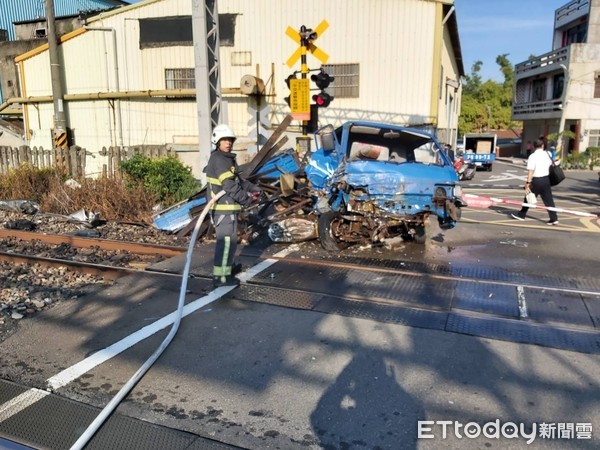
538,181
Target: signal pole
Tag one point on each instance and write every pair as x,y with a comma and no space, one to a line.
60,121
299,99
304,37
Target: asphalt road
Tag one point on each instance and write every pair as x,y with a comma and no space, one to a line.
255,375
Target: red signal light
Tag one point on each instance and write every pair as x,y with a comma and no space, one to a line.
323,99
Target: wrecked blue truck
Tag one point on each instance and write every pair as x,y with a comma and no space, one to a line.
373,182
365,183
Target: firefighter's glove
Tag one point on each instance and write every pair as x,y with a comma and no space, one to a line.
254,196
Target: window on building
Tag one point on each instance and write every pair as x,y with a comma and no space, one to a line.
227,29
537,91
3,35
597,85
594,138
346,82
180,79
558,84
177,31
577,34
241,58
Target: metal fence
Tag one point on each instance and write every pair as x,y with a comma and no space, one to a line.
73,159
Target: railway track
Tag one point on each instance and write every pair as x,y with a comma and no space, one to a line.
103,244
39,270
412,293
107,258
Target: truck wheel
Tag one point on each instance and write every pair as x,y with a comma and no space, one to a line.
420,235
325,225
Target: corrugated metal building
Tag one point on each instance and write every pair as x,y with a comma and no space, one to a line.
394,61
19,10
14,13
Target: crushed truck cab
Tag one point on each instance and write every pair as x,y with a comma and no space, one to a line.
375,181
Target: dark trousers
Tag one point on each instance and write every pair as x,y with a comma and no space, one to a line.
226,232
541,186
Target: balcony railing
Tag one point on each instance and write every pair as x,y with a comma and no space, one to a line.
542,63
571,11
547,106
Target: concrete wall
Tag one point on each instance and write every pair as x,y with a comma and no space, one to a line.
9,76
28,31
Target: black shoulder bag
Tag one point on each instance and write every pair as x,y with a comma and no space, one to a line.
556,174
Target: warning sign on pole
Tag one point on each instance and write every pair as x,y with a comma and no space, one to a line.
300,98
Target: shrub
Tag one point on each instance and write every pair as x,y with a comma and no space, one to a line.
167,178
576,161
111,197
26,183
593,156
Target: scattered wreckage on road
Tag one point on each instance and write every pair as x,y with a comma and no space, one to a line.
366,182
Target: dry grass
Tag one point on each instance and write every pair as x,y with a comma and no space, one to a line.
112,198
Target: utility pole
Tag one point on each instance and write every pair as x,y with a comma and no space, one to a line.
205,28
60,122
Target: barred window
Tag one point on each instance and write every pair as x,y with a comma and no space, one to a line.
346,82
241,58
180,78
594,138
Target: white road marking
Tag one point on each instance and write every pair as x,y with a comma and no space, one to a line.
505,176
20,402
522,302
17,404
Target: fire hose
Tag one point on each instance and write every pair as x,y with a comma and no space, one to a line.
486,202
112,405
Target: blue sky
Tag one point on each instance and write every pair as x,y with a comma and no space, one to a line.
488,28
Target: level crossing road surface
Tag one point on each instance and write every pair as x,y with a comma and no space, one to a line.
580,193
493,320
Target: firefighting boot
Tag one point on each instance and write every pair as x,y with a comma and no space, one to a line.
228,280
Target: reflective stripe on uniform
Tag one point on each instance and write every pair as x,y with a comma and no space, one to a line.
224,269
214,181
229,174
222,206
226,207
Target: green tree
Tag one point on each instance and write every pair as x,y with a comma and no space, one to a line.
473,82
487,105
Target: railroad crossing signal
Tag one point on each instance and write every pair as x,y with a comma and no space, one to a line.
310,36
299,99
322,80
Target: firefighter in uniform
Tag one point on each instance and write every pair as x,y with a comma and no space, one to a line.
222,173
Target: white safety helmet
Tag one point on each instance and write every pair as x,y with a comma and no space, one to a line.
222,131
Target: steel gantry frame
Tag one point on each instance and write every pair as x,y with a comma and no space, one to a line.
205,26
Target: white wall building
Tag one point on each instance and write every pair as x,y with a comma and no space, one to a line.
393,61
560,90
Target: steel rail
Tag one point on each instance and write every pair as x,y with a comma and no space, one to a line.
107,272
104,244
414,273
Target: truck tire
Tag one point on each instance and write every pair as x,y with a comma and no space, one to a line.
420,236
326,237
